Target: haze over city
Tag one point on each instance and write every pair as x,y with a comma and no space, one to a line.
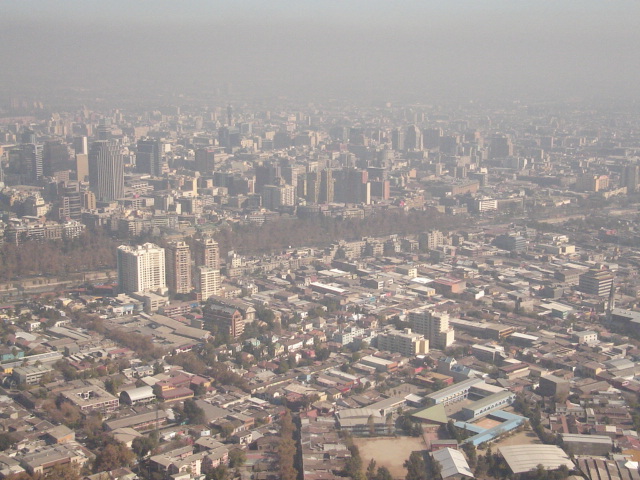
319,240
365,50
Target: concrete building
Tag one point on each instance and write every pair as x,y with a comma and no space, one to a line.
486,405
91,399
30,375
226,319
551,386
434,326
453,465
141,268
596,282
106,171
404,342
208,282
207,253
178,267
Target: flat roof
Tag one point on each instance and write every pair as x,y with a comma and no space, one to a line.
524,458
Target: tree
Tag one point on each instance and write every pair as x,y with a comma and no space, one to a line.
416,467
371,424
142,446
237,457
221,472
193,413
67,471
114,455
6,441
383,473
371,470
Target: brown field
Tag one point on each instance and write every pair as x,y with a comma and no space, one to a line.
390,452
526,437
487,423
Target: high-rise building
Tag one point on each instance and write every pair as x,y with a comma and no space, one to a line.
178,267
208,282
106,171
81,145
434,326
141,268
207,253
205,160
413,138
500,147
326,186
82,167
149,157
631,177
397,139
55,157
31,155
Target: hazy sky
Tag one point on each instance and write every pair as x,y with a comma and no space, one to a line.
367,48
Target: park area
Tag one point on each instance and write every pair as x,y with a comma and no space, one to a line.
390,452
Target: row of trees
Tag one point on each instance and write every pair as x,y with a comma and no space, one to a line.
280,234
93,250
287,448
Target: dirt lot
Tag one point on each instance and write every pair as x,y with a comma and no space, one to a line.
487,423
390,452
521,438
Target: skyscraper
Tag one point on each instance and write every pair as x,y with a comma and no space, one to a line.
106,171
178,267
31,156
207,253
149,157
413,139
397,139
141,268
206,160
208,282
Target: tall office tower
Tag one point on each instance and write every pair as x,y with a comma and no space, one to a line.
82,167
106,171
327,182
31,156
276,196
431,137
103,130
69,202
28,137
500,147
205,160
149,157
178,267
55,157
81,145
141,268
434,326
631,177
413,138
267,174
290,174
353,186
207,253
397,139
208,282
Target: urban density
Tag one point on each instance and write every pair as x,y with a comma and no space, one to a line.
240,287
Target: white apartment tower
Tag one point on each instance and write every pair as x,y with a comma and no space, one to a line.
141,268
208,282
434,326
